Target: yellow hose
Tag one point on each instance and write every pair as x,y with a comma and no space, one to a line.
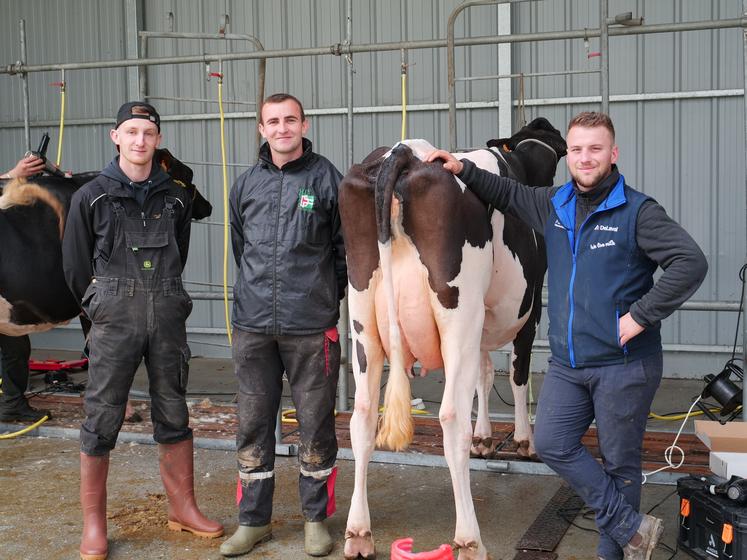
288,416
225,207
62,122
404,103
673,417
33,426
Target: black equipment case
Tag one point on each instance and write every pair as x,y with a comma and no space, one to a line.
710,526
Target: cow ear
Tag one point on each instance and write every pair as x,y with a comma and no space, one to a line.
164,159
504,144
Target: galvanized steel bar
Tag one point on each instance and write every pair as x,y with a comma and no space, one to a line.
133,22
345,342
340,49
529,75
744,312
604,48
25,87
621,98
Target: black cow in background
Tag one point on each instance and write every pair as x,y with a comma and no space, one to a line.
33,294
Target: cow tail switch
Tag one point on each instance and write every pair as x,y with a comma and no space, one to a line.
402,550
219,75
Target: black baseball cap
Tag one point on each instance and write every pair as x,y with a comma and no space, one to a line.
138,110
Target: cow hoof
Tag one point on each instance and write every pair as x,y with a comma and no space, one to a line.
526,450
482,448
470,551
359,545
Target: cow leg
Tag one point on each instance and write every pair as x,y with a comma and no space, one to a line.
523,435
460,345
368,362
519,376
483,444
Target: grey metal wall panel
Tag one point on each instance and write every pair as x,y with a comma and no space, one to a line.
689,154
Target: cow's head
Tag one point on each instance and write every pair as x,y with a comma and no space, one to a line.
182,174
539,129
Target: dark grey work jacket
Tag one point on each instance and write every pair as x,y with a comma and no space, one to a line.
288,247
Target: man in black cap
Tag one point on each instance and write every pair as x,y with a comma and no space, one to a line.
124,249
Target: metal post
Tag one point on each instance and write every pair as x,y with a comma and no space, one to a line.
744,313
25,88
345,343
133,23
142,71
604,47
505,101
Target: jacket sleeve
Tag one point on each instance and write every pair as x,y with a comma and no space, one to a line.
237,225
338,245
184,229
668,244
77,246
530,204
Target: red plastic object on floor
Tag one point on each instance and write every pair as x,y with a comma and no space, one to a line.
402,550
57,365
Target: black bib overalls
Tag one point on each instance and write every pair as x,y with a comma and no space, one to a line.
138,308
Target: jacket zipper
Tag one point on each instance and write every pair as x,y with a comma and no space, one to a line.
571,302
617,330
275,260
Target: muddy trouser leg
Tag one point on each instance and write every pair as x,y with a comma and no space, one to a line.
118,341
167,361
14,368
619,397
312,364
620,432
260,374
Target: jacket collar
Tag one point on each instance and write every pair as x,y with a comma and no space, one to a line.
122,185
564,200
265,157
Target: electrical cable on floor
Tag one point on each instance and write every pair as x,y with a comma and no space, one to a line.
669,450
33,426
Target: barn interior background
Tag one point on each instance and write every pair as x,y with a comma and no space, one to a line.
673,82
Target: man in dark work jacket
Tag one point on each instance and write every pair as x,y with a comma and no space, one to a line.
604,242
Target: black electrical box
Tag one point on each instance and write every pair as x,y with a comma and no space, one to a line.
710,526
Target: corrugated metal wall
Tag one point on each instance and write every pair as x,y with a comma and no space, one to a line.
687,153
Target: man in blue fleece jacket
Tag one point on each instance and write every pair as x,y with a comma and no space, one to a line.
604,242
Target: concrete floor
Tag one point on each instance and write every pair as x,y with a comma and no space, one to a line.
40,516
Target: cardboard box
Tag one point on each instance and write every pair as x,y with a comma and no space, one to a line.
731,437
726,464
728,445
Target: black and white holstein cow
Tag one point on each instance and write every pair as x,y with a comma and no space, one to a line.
33,294
434,277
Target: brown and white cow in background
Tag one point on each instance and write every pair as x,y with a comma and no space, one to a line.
434,278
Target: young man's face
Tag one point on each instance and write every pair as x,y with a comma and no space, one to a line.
283,129
137,140
591,153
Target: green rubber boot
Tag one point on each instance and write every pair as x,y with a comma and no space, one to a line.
317,541
244,539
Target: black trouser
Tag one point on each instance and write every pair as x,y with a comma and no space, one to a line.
311,363
129,323
14,365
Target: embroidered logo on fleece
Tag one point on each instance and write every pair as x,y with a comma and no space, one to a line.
306,200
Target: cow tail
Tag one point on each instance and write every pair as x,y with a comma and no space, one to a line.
395,425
